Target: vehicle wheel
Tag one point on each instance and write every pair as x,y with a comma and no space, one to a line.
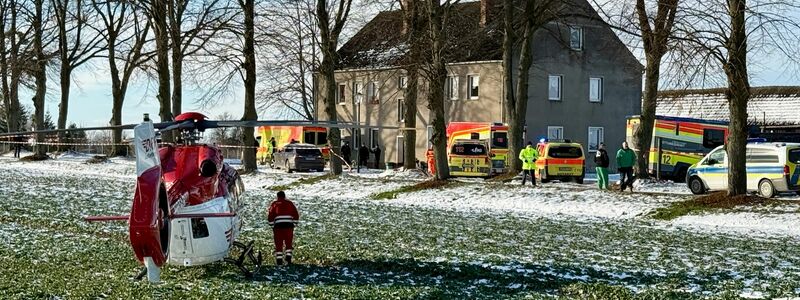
286,165
579,180
543,177
696,185
680,176
766,189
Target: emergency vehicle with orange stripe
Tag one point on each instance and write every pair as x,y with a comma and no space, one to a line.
560,160
681,143
475,149
284,135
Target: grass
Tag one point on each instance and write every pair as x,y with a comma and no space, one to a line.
363,249
715,201
425,185
302,181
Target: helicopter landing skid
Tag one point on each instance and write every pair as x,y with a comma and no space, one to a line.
247,252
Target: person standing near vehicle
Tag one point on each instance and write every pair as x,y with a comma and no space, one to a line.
626,158
528,156
602,161
377,151
282,217
363,156
346,153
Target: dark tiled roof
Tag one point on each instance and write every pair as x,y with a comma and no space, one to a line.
381,42
770,105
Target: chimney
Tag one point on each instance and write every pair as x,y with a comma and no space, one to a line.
488,11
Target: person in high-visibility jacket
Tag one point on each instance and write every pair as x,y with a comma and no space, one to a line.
528,156
283,217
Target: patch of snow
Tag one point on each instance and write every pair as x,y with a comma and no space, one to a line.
750,223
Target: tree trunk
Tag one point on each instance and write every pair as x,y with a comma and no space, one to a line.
515,131
436,106
13,109
738,94
644,133
410,103
249,153
162,63
40,76
518,114
66,69
328,41
4,68
177,55
117,149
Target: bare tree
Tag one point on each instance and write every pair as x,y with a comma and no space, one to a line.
329,39
413,14
249,156
124,30
289,56
158,15
722,34
437,14
77,45
15,50
39,74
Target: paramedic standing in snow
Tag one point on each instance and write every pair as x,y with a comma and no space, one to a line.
626,158
601,159
283,216
528,156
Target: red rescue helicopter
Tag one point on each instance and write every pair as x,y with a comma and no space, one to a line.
187,199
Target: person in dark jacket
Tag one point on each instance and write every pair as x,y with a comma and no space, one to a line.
346,151
363,156
18,140
626,158
601,160
377,151
282,217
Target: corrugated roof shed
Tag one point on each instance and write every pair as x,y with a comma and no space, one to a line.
769,106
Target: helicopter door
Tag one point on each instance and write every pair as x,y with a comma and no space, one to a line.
182,238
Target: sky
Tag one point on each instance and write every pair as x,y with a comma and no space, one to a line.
90,95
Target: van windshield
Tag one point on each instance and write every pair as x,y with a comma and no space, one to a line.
469,149
794,155
565,152
500,140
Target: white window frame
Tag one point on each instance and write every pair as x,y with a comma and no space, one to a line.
401,110
559,79
358,92
373,139
477,79
341,90
600,138
579,29
402,82
451,87
599,81
375,96
560,130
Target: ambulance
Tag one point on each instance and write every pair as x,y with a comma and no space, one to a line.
560,160
495,133
469,158
682,142
284,135
772,168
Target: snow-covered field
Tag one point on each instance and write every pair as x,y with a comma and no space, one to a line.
472,239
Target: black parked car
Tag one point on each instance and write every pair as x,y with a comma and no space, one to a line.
299,157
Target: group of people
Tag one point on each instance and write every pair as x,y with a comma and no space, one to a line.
363,154
626,159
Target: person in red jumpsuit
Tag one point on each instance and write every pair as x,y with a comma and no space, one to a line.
282,217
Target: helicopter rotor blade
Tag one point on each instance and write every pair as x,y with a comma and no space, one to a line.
165,125
326,124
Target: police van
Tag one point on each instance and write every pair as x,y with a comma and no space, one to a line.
772,168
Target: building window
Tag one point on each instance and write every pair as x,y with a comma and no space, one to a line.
402,82
373,137
401,110
451,87
595,89
595,138
340,94
576,38
555,132
473,83
554,88
373,94
430,136
358,92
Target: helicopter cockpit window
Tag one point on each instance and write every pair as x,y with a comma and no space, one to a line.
199,228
